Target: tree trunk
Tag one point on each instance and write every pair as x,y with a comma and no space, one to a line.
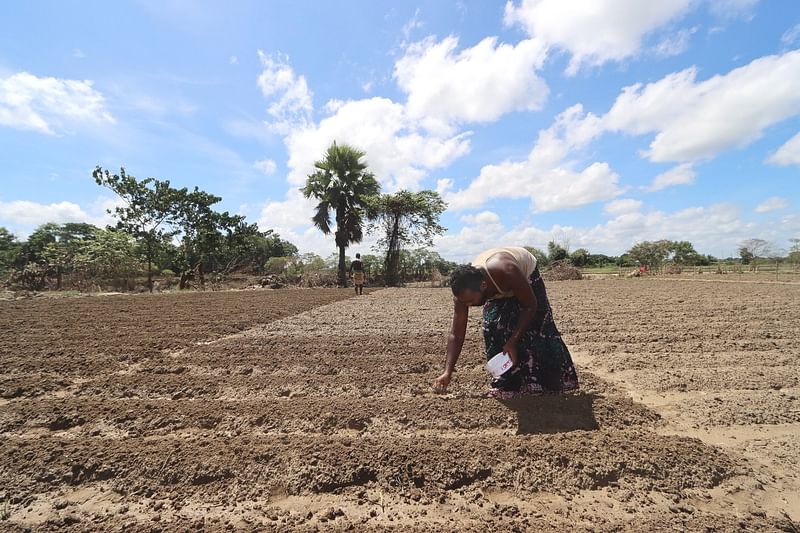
341,244
149,266
184,282
342,275
393,255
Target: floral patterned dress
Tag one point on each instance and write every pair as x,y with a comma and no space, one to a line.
545,364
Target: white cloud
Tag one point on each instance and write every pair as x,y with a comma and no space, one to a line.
233,60
774,203
715,229
290,100
593,31
412,24
696,120
77,53
444,185
675,44
50,105
267,166
691,120
547,176
397,153
788,154
791,35
732,8
27,214
484,218
622,206
447,87
291,219
683,174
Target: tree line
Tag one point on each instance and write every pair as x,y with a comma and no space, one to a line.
654,255
161,229
164,230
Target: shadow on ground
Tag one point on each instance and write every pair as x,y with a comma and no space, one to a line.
553,414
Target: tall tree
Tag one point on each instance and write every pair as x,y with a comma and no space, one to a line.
556,252
751,250
109,254
580,257
794,251
341,184
10,251
150,209
203,230
405,218
683,253
650,254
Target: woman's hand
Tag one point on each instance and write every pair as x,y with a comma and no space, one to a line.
511,349
440,384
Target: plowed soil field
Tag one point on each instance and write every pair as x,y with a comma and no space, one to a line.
305,410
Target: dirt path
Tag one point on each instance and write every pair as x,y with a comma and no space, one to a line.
325,420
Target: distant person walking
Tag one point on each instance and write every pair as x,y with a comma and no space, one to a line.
517,320
357,273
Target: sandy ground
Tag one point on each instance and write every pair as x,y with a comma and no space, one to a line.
301,410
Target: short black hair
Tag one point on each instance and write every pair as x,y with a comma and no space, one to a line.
465,277
358,256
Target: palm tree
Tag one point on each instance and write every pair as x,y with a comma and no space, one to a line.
341,183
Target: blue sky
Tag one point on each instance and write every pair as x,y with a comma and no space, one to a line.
597,123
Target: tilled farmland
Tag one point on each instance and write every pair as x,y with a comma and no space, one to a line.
312,410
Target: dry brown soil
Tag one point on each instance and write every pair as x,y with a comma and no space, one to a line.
301,410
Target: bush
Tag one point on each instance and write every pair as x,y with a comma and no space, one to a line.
167,273
31,277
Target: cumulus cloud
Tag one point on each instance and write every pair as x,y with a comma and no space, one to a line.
683,174
291,219
788,154
50,105
547,176
622,206
695,120
775,203
484,218
400,152
26,214
447,87
397,152
691,120
593,31
715,229
290,100
267,166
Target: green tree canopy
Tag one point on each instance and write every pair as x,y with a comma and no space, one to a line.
540,255
580,257
150,212
10,251
556,252
405,218
342,185
650,254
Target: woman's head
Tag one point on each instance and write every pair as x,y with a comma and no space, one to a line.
468,285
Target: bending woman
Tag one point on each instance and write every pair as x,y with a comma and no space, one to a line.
517,320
